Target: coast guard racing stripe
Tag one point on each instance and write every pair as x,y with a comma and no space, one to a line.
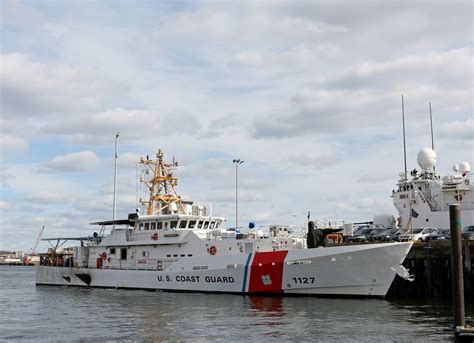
266,273
244,285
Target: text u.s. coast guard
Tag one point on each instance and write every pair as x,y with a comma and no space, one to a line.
196,279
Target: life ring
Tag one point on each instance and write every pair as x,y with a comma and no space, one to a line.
458,197
154,236
213,250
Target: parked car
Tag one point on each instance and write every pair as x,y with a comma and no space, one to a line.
387,235
467,232
417,234
360,236
442,234
375,232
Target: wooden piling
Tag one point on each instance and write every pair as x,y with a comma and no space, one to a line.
457,265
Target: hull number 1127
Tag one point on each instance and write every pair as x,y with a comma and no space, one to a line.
303,280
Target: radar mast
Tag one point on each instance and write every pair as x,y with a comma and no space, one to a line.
161,184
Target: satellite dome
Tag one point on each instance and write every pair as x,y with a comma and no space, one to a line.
464,167
426,158
456,168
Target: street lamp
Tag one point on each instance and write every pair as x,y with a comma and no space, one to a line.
115,179
237,162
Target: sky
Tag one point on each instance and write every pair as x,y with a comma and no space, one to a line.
307,93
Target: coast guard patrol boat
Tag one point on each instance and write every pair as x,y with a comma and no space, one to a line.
424,199
179,246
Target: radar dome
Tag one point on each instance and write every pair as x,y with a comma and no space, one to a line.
426,158
464,167
456,168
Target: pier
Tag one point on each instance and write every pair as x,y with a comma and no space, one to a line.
430,263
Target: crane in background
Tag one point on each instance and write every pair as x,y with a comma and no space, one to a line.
33,257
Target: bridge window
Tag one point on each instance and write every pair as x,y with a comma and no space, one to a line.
140,227
147,226
192,224
199,226
182,224
153,226
206,224
112,251
211,225
174,224
159,225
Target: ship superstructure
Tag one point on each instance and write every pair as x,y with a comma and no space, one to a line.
423,199
179,245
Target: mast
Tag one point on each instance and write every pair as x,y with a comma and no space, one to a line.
115,179
162,186
404,144
431,123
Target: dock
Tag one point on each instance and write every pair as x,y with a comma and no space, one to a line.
430,263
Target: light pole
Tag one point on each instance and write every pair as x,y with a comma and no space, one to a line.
237,162
115,179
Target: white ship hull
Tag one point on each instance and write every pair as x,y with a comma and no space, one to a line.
359,270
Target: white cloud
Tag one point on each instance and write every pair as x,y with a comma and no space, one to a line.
316,160
84,161
31,89
46,197
12,144
369,94
4,205
458,130
246,59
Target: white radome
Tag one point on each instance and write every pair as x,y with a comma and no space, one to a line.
464,167
426,158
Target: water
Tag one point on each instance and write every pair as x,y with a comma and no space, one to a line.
60,314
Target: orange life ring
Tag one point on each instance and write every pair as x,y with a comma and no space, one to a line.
154,236
458,197
213,250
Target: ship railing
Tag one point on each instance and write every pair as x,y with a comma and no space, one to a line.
146,264
431,202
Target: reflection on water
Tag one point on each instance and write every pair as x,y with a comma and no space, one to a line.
72,314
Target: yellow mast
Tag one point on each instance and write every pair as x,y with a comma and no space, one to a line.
162,186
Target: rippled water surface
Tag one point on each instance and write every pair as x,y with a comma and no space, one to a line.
45,313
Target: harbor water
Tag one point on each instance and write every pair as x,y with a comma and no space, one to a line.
60,314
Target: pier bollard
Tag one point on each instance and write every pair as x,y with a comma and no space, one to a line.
456,265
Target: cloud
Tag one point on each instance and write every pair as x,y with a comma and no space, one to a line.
4,205
12,144
314,160
31,89
246,59
84,161
133,125
436,68
458,130
46,197
127,160
368,94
